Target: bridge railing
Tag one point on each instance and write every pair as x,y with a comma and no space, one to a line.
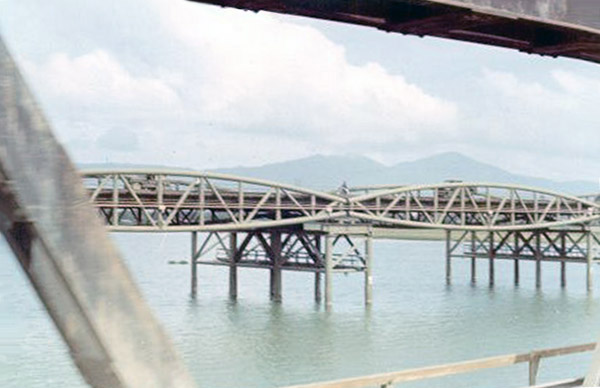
533,358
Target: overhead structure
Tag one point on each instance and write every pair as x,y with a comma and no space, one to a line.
565,28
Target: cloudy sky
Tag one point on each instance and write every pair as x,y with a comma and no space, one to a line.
176,83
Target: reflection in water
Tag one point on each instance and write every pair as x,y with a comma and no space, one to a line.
416,320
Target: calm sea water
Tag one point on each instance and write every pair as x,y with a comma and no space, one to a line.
416,320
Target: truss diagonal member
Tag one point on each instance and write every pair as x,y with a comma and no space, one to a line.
551,242
139,201
344,256
548,207
202,250
352,245
99,188
288,251
290,196
266,246
394,202
476,208
502,242
565,203
223,203
242,248
422,208
525,208
224,246
67,255
526,240
444,213
459,241
312,251
364,208
260,203
576,244
181,200
496,213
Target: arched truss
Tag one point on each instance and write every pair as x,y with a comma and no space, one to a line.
471,206
592,197
166,200
160,200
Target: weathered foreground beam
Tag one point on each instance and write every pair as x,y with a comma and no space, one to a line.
65,251
569,28
387,379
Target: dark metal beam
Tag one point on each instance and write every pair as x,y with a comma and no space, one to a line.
569,28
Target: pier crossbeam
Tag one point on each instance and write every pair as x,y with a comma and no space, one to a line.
279,250
557,246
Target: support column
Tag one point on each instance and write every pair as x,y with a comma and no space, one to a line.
474,257
233,283
368,269
538,260
492,254
589,261
563,262
318,286
193,265
517,256
318,272
276,269
328,270
448,256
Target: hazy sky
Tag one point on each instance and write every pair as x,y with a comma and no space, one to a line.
186,84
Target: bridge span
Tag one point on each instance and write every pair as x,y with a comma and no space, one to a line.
566,28
246,222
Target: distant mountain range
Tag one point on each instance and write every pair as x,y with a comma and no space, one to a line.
329,172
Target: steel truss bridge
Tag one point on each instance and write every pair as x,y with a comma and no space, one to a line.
155,200
261,224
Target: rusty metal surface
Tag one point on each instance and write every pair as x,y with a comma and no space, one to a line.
579,12
65,251
568,28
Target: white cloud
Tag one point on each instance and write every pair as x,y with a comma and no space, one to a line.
98,80
262,73
234,75
546,119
